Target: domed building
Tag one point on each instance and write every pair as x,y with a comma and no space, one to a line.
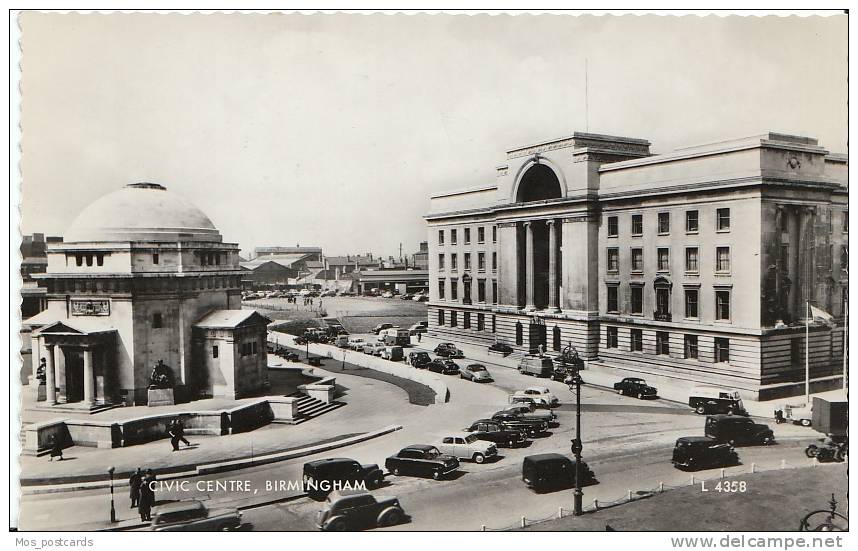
144,279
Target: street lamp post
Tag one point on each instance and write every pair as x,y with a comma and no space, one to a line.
577,446
112,506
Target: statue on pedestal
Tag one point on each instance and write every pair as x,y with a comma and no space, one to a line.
162,376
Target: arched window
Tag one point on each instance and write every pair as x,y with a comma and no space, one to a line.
537,184
519,334
556,344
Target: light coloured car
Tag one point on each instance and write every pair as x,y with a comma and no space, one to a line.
417,328
539,392
467,446
374,348
356,343
193,516
392,353
387,294
476,373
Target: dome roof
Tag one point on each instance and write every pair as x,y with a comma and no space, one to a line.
142,212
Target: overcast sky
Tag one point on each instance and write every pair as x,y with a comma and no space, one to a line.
333,130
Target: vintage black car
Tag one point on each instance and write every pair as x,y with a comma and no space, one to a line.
513,420
635,386
530,413
738,431
350,509
553,471
493,431
500,347
326,475
698,452
418,359
421,460
448,350
446,367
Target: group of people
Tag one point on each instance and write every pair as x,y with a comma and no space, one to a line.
141,492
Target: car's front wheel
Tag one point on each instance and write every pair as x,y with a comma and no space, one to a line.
479,458
337,525
640,395
391,518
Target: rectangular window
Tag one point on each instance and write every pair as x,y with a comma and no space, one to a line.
690,347
467,236
844,257
663,223
453,237
440,237
691,265
494,291
845,225
722,350
663,259
637,260
691,301
440,317
637,224
613,226
613,260
481,290
637,299
99,259
796,357
441,289
454,289
214,351
467,261
494,234
722,305
722,260
613,305
441,261
612,337
494,324
481,234
494,262
454,322
691,221
481,262
481,322
723,220
636,343
157,320
454,262
78,258
662,343
467,320
155,258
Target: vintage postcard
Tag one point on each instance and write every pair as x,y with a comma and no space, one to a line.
431,272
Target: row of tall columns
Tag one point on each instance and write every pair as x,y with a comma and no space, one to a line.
51,378
530,279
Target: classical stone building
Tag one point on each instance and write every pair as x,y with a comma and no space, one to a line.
142,277
697,264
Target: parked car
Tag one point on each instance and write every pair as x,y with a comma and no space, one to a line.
381,327
342,341
737,431
553,471
536,402
406,296
494,431
356,343
531,426
421,460
539,366
710,400
528,411
635,386
387,294
417,328
476,373
448,350
500,347
324,476
392,353
539,392
329,293
450,367
373,348
193,516
418,359
350,510
697,452
801,414
437,366
467,446
417,297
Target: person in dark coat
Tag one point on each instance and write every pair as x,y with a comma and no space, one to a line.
147,496
134,482
171,430
56,449
179,432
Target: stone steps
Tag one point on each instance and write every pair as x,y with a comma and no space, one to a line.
310,408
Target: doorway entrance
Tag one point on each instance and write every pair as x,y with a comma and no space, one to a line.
74,374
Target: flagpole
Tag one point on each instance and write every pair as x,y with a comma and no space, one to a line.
807,354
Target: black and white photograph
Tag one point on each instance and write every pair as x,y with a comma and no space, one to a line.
402,271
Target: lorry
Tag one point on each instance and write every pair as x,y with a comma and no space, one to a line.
397,337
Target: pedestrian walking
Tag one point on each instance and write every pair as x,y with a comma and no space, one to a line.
134,482
147,496
179,431
56,449
419,337
171,430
